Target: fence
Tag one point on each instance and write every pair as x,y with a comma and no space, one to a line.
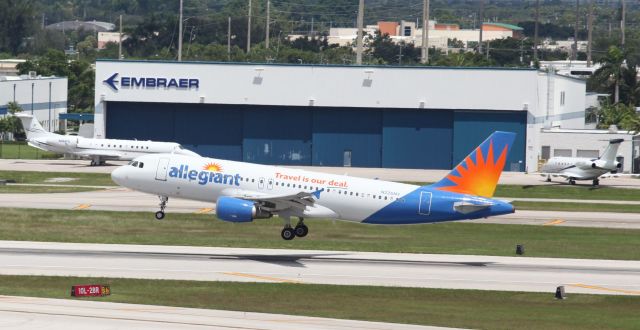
20,150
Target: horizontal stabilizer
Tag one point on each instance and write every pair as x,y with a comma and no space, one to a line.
466,207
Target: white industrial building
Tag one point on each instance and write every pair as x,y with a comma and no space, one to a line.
590,143
377,116
45,97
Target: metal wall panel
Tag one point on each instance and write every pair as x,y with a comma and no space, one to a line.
470,128
417,139
340,133
210,130
277,135
138,120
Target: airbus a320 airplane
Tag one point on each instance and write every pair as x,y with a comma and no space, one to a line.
244,192
98,150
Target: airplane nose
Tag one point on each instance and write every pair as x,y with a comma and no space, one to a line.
119,175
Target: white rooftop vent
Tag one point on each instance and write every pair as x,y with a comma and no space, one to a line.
613,129
33,75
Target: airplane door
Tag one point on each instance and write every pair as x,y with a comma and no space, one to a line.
161,171
261,183
270,184
424,208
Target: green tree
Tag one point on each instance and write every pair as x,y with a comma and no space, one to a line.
619,114
11,124
79,73
16,23
609,75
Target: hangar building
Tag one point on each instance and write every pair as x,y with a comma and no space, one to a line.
361,116
44,97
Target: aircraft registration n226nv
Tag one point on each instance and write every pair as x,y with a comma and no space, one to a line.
244,191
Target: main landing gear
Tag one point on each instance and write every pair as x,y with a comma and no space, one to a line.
97,161
596,182
572,181
163,205
300,230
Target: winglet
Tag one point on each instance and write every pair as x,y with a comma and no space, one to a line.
478,173
316,193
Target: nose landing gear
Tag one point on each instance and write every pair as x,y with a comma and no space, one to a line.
163,205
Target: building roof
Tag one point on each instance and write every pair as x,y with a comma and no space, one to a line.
75,25
506,26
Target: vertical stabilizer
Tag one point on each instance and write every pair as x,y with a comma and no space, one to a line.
31,126
478,173
610,153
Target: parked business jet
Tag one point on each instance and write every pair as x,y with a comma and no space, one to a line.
579,168
98,150
244,192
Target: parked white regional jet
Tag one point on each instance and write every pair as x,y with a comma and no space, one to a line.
244,192
578,168
98,150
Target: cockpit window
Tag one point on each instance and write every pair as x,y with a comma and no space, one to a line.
141,165
180,147
134,164
130,162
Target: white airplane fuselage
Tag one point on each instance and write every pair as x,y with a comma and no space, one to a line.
121,149
336,196
577,168
98,150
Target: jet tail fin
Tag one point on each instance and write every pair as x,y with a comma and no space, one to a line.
31,125
610,153
478,173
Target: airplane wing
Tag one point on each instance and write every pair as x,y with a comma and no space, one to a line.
619,175
297,201
105,154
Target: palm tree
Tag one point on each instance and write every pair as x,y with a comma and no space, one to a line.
611,70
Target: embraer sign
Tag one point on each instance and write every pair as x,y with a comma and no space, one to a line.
151,82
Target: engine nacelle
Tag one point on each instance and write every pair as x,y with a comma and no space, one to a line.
239,210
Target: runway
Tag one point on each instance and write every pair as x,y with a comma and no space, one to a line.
320,267
122,199
390,174
65,314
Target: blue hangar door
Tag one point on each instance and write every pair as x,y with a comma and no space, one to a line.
417,139
209,130
472,127
279,135
346,137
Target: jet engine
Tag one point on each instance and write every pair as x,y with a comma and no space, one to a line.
239,210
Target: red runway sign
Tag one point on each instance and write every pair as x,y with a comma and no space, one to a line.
92,290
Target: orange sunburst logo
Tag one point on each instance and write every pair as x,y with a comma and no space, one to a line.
213,167
480,177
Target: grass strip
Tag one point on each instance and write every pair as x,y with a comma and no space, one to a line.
24,151
42,189
556,190
576,207
437,307
205,230
86,179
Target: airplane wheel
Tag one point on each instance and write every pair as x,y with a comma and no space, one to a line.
572,182
301,230
596,182
288,234
548,179
159,215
